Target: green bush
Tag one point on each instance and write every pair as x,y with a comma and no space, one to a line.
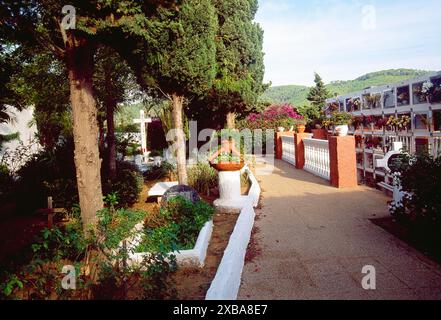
6,181
127,184
202,177
41,277
159,172
179,226
48,173
420,177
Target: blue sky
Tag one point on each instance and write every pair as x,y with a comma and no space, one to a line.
344,39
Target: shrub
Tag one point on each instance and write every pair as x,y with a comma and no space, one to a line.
420,177
339,119
41,278
202,177
273,117
127,184
48,173
166,169
6,181
420,210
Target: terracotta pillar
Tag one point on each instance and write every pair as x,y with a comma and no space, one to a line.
300,149
321,134
343,164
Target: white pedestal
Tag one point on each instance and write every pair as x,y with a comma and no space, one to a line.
230,192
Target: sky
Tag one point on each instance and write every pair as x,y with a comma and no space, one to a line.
344,39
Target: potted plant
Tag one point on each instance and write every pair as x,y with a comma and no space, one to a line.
227,158
427,90
301,125
341,122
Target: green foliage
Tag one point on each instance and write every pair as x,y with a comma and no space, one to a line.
67,245
318,94
178,228
420,176
127,145
340,118
116,225
156,153
127,185
420,210
59,243
159,172
181,59
42,82
202,177
297,95
6,181
48,173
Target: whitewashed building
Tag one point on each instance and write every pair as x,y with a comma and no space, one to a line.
418,100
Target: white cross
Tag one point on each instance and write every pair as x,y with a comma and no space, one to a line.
143,121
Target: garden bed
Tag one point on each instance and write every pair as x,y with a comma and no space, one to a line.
193,283
194,257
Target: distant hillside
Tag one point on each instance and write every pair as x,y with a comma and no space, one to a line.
296,95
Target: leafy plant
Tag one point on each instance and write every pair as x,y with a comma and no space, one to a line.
127,184
202,177
159,172
420,179
180,222
338,119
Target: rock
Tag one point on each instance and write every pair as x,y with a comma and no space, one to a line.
180,190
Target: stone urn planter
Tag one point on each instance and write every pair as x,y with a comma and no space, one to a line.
342,130
230,196
228,166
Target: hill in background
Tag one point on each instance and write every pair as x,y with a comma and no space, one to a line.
296,95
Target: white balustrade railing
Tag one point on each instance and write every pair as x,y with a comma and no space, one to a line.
317,157
288,149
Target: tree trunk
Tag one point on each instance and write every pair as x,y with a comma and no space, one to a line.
85,128
231,120
181,157
111,142
101,135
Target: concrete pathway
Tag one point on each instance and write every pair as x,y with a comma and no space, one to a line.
315,240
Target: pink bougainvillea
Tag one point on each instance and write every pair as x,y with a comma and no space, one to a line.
273,117
275,112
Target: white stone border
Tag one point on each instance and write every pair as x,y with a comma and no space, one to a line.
226,283
254,192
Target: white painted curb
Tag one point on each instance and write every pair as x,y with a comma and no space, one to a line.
226,283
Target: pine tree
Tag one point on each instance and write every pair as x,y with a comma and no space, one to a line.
180,63
239,59
318,94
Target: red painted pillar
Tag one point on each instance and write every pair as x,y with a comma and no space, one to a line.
300,149
343,164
